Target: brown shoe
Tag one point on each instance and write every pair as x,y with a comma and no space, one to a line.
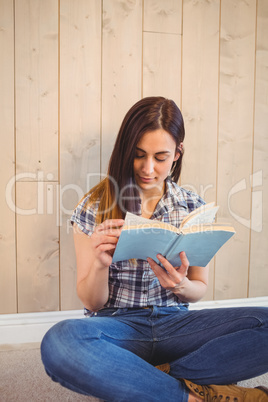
230,393
164,367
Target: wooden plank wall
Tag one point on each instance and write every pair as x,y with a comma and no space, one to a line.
70,70
8,276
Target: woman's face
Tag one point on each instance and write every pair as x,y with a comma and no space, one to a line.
155,153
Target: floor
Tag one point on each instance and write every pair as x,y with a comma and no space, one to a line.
23,379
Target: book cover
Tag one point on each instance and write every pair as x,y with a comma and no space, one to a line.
197,235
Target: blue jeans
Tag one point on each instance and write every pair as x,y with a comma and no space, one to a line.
112,354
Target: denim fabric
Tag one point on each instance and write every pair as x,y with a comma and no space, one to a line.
112,354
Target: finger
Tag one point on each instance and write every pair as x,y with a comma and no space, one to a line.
169,267
112,223
184,259
111,227
155,267
106,247
163,277
111,232
182,270
99,239
166,264
176,273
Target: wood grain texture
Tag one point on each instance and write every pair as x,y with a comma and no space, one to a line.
37,247
200,100
8,297
36,72
121,67
80,108
66,98
162,65
163,16
236,104
258,278
162,49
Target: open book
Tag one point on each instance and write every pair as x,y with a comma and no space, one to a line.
197,235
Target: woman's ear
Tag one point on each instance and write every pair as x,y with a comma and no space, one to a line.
179,152
177,156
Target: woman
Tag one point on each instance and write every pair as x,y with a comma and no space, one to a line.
138,318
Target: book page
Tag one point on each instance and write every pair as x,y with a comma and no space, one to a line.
202,215
135,221
208,227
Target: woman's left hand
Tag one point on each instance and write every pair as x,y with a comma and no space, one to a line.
173,277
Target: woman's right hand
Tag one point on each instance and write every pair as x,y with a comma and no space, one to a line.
104,240
93,258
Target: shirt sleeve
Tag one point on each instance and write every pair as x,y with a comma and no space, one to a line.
194,201
191,200
84,216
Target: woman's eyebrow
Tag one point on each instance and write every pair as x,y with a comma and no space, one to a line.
157,153
163,152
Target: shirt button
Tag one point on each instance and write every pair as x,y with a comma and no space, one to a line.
145,291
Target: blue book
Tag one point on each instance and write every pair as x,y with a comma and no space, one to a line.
197,235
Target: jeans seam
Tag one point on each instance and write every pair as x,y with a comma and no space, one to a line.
57,378
211,327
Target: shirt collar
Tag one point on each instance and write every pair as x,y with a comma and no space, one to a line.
172,198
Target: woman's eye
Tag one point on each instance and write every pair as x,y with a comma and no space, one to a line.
137,156
160,160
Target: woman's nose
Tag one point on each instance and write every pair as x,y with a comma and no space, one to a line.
148,166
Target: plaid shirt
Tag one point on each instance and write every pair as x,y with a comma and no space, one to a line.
132,283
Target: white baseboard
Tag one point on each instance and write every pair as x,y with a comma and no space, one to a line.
31,327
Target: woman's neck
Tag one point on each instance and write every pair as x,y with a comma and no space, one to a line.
149,200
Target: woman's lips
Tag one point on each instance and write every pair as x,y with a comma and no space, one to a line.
146,179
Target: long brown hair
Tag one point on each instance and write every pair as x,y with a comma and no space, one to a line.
117,192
